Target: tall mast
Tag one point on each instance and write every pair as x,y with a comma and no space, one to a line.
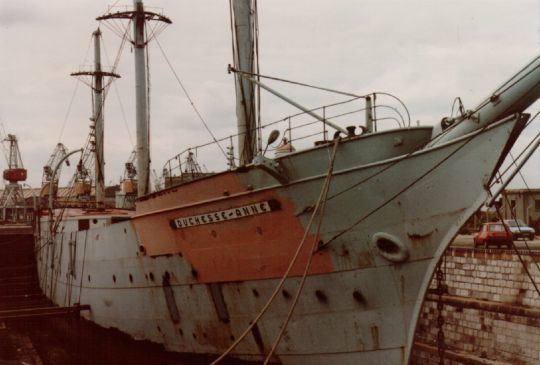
244,38
139,17
98,119
97,86
141,101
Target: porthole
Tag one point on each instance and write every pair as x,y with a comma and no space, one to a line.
390,247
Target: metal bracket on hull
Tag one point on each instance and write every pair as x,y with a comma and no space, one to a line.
272,167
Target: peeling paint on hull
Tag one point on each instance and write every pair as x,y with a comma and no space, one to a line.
356,307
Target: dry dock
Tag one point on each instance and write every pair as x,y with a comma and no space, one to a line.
491,314
490,309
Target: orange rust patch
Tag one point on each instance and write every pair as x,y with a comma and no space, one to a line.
248,248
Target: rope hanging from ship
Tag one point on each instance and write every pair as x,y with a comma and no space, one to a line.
319,206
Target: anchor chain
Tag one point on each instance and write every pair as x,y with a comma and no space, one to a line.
441,289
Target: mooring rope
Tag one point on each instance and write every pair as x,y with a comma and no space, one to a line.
325,190
322,194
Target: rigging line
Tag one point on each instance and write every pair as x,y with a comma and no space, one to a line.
525,149
376,209
514,162
523,264
122,111
514,217
258,75
82,269
189,98
387,167
68,112
115,65
504,88
258,69
283,278
87,50
326,188
148,113
376,173
110,7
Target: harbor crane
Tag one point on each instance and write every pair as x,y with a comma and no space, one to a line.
59,152
125,197
12,204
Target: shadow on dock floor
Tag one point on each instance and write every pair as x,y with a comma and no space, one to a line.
67,341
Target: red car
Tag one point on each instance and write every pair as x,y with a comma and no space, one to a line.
495,233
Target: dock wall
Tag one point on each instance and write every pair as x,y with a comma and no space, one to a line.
491,310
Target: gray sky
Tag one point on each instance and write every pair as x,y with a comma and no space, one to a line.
425,52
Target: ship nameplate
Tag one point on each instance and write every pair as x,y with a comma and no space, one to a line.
226,215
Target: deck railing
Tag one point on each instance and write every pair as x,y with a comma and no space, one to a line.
297,131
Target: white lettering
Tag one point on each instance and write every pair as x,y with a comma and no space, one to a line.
222,215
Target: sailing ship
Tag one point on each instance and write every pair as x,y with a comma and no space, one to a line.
319,255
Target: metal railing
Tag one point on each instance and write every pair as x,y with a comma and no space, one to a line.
298,130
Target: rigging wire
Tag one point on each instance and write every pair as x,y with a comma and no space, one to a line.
258,75
505,197
70,105
523,264
258,87
404,189
199,115
524,150
356,96
505,87
122,110
87,158
514,217
148,87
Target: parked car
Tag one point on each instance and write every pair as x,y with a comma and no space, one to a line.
493,233
519,229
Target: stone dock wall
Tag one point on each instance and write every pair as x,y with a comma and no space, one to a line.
491,310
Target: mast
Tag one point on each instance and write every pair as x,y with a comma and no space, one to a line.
244,38
97,86
141,101
98,120
139,16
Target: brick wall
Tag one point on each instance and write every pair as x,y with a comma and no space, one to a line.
491,310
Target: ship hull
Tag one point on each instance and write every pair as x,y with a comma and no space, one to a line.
194,286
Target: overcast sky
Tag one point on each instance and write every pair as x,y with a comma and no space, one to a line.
425,52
